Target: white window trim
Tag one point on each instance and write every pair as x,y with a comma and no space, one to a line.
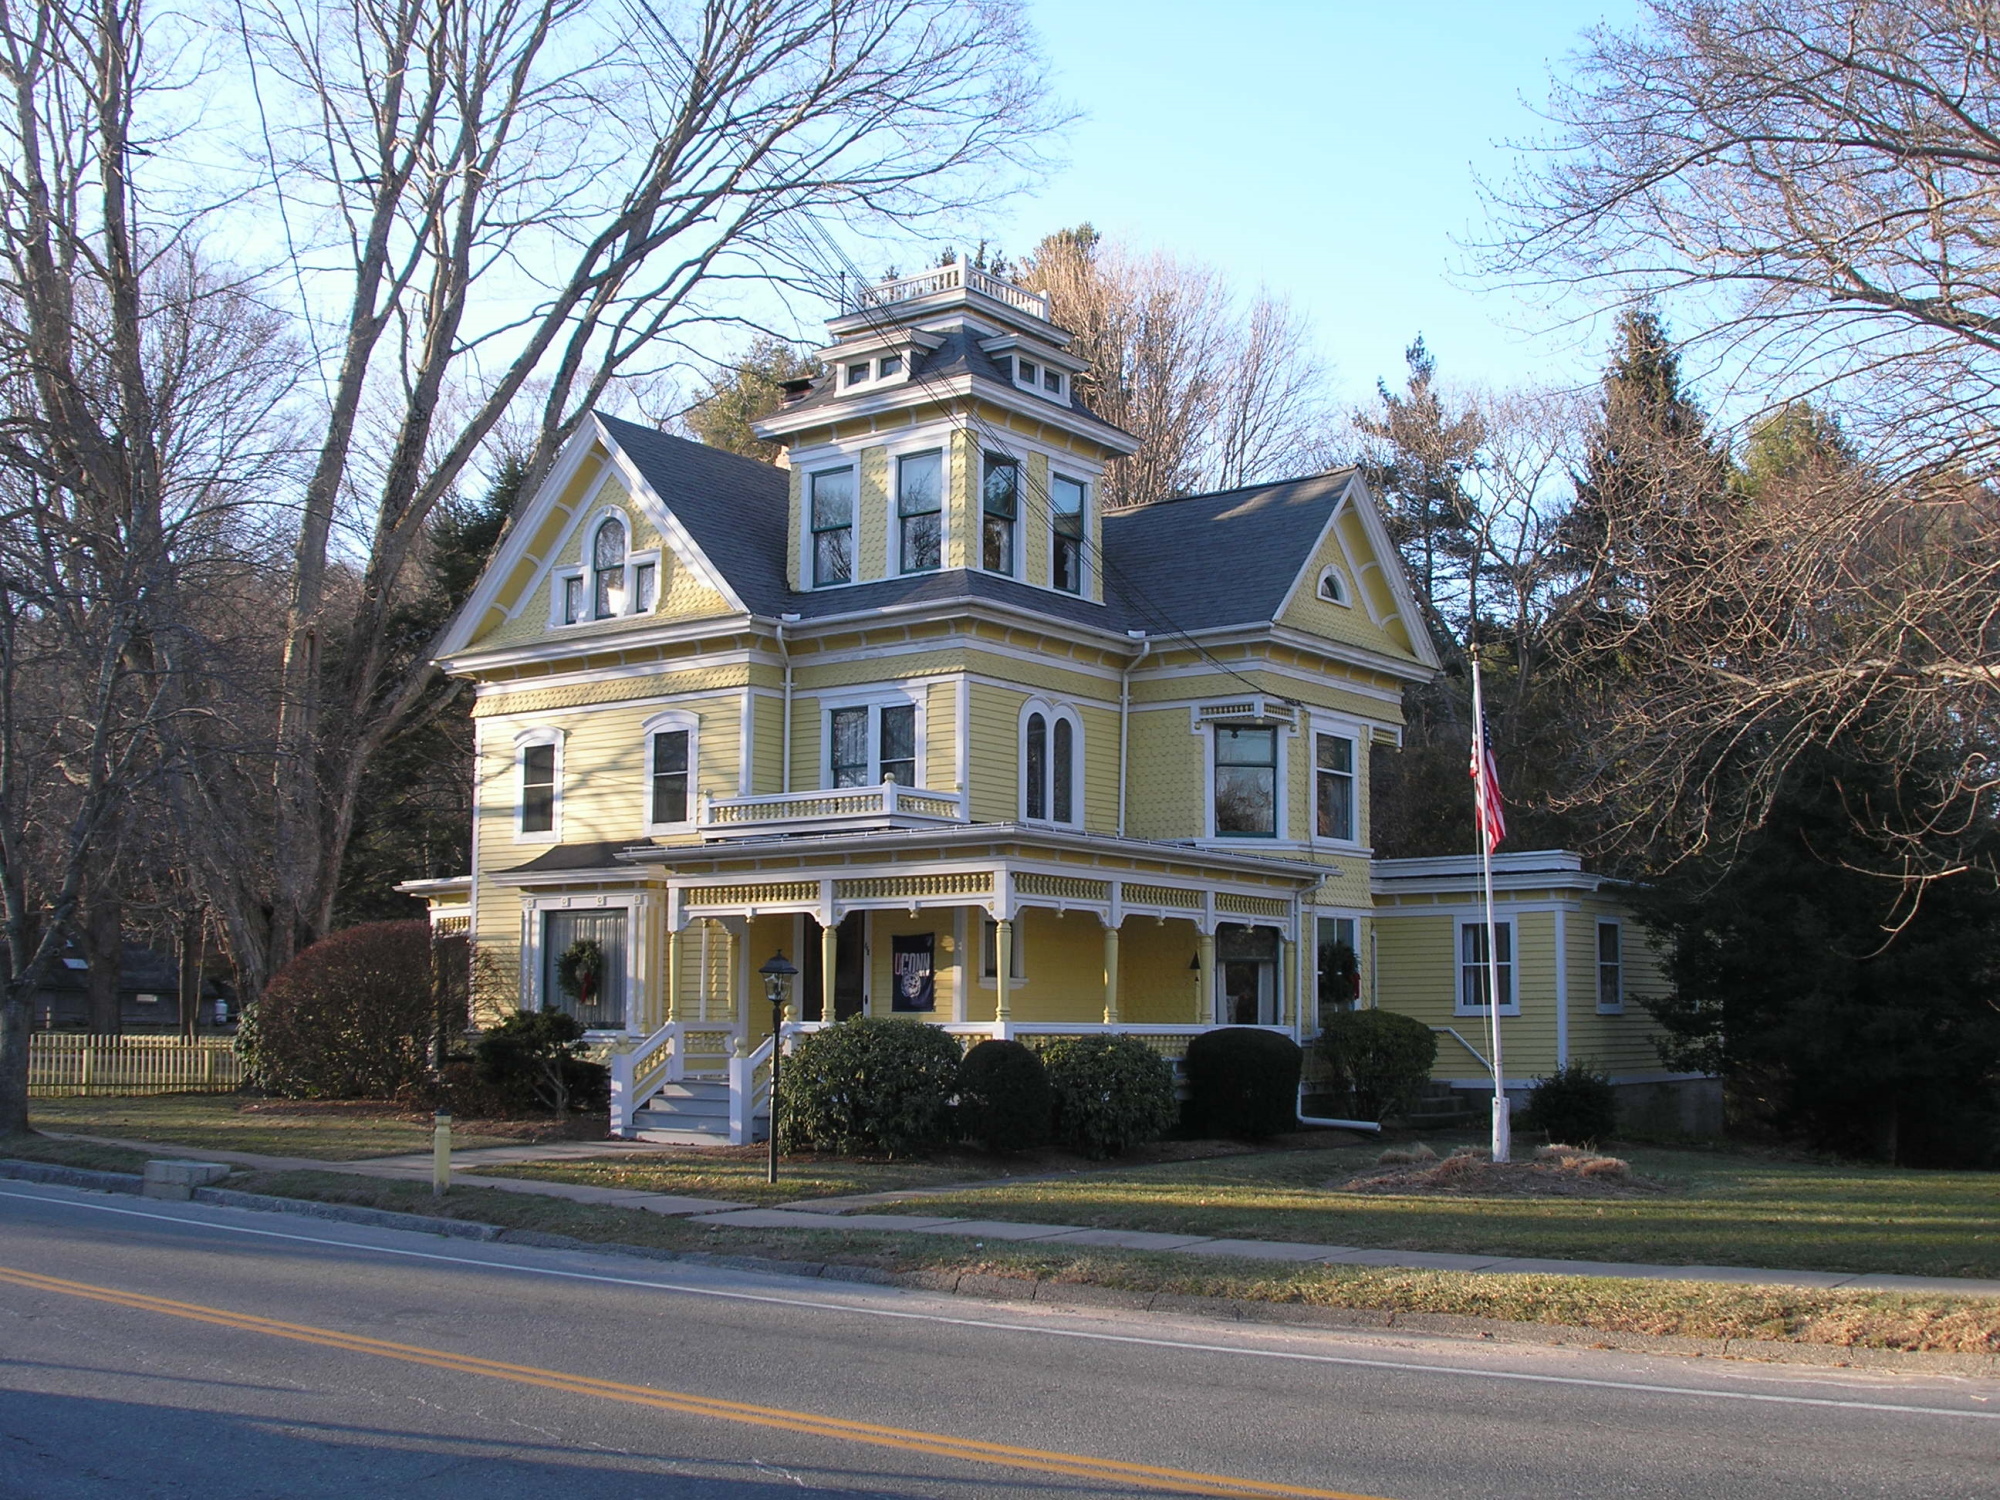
1023,511
1018,960
523,741
1344,591
893,520
1513,963
1617,1007
534,965
1281,837
584,572
1050,713
660,723
808,547
872,700
1354,734
1083,558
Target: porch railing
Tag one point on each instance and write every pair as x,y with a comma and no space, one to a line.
861,806
949,278
640,1072
64,1064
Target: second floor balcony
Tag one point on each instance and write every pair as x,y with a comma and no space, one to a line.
828,810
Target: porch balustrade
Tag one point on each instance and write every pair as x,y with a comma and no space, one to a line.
829,810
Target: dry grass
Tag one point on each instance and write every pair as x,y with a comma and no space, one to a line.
1555,1172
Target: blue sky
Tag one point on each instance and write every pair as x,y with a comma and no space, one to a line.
1326,150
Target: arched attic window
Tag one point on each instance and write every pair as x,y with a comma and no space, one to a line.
1332,587
607,569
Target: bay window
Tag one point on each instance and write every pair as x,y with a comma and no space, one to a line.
919,510
1333,786
1066,509
832,503
1000,511
1246,781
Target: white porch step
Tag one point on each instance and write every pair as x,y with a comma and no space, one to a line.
694,1112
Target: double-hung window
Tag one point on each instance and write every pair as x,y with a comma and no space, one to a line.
870,745
1000,507
919,510
1246,781
607,570
668,774
832,502
1475,975
1066,510
1610,967
538,788
1333,786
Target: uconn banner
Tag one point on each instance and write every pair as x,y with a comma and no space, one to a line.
915,971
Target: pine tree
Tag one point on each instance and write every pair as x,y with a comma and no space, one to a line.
751,387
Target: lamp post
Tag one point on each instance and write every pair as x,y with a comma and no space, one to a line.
778,976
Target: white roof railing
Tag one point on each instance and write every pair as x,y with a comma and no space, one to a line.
952,278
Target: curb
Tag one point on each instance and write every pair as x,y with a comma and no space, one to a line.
987,1287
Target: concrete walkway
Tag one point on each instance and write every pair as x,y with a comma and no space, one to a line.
829,1213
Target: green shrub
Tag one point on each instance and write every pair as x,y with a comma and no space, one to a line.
1004,1099
535,1059
1382,1058
870,1086
1573,1106
351,1017
1243,1083
1111,1092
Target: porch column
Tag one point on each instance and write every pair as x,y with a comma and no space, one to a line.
674,973
1003,971
1204,981
829,955
1288,992
1110,974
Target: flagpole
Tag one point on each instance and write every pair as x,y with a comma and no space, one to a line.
1502,1124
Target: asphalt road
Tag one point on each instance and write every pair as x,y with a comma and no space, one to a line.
176,1350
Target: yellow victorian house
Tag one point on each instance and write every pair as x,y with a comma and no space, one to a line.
911,709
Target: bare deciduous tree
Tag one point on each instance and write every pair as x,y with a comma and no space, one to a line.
1218,394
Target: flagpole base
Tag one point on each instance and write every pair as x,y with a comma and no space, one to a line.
1503,1126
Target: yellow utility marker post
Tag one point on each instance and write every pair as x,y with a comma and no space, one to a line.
440,1153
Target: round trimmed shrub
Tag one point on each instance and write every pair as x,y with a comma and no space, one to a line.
1004,1099
1112,1092
1243,1083
534,1059
869,1086
351,1017
1381,1057
1574,1106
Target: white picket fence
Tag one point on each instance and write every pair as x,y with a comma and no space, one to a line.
64,1063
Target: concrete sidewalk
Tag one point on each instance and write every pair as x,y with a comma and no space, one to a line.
828,1213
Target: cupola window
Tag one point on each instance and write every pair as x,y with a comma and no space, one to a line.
833,527
1001,505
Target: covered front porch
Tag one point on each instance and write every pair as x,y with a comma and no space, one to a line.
984,931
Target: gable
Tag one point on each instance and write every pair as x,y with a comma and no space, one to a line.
517,601
1379,613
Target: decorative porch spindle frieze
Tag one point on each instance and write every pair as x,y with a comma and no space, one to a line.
1251,906
914,887
774,893
1137,894
1061,887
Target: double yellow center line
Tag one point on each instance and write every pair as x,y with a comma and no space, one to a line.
932,1444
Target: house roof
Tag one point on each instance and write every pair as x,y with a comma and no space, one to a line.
560,859
959,354
1227,558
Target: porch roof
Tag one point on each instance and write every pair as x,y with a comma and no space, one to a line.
847,849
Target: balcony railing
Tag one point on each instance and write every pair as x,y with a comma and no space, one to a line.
831,810
951,278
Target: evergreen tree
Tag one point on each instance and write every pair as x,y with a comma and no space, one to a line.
751,387
1839,1009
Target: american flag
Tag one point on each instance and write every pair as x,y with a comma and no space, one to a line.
1486,800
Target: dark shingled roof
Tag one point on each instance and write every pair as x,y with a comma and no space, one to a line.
1188,564
1221,559
959,354
563,858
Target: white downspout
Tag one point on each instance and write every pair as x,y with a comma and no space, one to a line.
1124,719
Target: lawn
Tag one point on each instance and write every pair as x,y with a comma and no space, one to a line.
737,1173
1725,1207
228,1122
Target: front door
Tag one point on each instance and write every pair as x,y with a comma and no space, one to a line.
850,969
1247,961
